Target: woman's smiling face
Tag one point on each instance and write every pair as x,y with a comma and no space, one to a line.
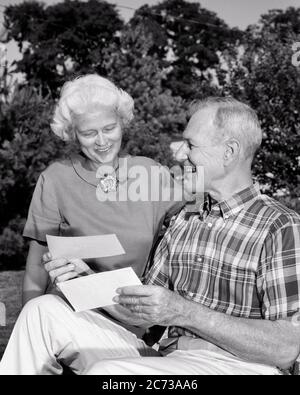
100,136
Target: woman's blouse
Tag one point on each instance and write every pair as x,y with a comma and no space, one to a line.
67,201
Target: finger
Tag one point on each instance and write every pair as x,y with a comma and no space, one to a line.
136,309
54,274
47,257
137,290
129,300
80,265
77,261
57,263
66,277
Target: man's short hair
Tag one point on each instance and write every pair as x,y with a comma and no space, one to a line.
233,119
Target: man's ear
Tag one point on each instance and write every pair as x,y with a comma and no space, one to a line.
232,151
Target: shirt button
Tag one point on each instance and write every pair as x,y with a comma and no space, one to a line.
210,225
200,259
226,216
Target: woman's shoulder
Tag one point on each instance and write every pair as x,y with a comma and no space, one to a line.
59,168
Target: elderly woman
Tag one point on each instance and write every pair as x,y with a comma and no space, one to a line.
79,196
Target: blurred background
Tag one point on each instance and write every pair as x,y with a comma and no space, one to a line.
165,54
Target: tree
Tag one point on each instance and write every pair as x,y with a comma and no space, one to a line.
265,77
30,146
281,24
60,40
188,38
160,116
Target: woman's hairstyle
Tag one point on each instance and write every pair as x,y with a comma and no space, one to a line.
86,95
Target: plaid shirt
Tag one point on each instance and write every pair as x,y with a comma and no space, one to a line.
241,259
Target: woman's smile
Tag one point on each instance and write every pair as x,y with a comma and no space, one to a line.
103,149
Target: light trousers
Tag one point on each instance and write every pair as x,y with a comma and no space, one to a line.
48,333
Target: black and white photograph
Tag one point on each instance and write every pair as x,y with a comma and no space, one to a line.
149,190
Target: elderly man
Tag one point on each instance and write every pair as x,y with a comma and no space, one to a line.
225,279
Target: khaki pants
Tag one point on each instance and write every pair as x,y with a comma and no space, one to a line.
48,332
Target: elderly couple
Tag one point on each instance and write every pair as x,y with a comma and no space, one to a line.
224,279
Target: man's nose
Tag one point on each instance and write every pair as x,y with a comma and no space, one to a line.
182,153
101,139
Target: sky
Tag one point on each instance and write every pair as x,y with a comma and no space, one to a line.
239,13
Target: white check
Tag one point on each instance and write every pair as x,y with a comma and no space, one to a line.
84,247
97,290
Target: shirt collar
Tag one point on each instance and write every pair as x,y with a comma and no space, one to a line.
225,208
238,201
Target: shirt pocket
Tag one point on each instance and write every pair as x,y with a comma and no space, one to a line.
220,285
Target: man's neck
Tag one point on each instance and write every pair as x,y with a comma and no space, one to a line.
227,187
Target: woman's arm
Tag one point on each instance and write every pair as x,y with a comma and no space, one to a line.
36,277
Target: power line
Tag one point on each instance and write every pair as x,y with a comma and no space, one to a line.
192,21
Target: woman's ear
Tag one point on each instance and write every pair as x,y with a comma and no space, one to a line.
70,135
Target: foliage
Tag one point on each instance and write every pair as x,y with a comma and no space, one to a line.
160,117
265,78
28,147
60,40
188,38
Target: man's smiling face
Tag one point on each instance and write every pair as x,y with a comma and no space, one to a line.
202,152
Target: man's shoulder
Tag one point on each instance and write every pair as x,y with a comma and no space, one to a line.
276,214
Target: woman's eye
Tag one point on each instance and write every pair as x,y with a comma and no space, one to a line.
89,134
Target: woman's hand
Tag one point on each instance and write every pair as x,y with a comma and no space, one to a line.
61,270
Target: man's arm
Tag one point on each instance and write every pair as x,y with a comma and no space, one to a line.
275,343
261,341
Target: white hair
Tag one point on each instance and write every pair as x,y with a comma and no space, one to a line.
233,119
87,94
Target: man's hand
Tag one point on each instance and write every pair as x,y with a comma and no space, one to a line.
153,305
61,270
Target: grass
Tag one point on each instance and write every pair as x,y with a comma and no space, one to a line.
10,295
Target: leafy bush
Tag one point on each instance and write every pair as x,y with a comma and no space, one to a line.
265,77
12,245
28,149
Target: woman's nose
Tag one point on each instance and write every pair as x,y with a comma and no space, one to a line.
182,153
101,139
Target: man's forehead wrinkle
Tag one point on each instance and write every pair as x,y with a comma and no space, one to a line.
203,119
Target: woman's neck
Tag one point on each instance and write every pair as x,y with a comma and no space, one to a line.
96,165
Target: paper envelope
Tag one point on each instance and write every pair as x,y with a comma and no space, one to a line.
97,290
84,247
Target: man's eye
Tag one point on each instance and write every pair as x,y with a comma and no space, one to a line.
109,128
